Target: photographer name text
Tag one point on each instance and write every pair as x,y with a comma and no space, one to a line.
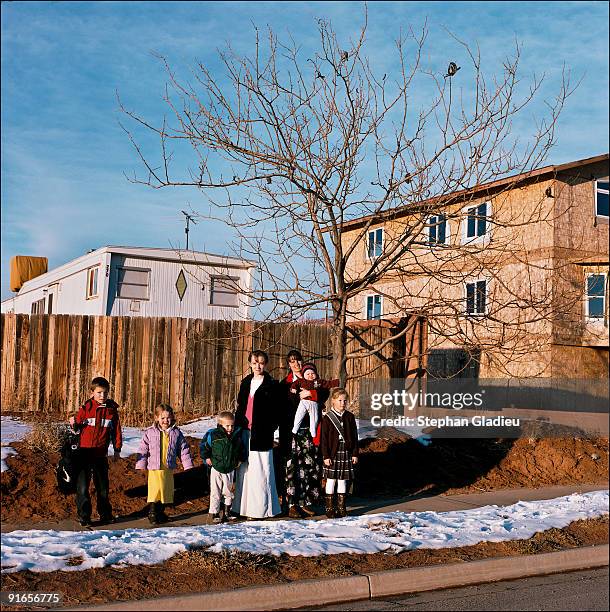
446,421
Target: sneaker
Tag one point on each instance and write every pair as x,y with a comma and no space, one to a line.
216,518
85,522
228,514
107,520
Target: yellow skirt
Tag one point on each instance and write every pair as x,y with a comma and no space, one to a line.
161,486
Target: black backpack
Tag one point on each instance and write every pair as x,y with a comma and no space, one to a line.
67,468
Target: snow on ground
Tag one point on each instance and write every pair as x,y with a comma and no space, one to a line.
46,551
133,435
13,430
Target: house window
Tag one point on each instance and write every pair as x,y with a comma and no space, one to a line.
601,197
38,306
92,282
373,307
437,229
132,283
375,244
224,291
477,221
476,297
596,296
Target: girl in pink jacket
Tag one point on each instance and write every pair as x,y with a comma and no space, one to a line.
160,447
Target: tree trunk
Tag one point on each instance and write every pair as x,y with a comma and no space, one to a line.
339,342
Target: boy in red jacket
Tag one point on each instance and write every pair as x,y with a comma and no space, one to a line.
98,423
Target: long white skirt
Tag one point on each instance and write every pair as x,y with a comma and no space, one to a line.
255,492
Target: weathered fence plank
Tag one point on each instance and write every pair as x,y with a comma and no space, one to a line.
194,365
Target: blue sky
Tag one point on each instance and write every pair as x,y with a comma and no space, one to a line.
64,154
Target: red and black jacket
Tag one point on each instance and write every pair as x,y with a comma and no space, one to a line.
99,425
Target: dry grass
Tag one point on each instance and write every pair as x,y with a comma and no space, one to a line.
225,561
47,437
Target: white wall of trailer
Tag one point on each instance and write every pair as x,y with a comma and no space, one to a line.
163,299
68,287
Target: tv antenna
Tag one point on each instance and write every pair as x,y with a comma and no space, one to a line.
189,219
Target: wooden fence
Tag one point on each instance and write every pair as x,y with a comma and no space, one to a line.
194,365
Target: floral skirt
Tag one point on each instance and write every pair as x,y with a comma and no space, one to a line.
303,470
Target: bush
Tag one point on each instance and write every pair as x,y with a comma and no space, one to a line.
47,437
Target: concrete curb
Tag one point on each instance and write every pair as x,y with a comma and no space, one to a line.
397,582
304,593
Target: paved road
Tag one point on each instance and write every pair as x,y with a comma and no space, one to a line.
582,590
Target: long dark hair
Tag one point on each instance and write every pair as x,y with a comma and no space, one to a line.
294,353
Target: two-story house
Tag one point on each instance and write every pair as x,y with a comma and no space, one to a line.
513,272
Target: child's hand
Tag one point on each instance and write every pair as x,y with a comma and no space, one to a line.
328,462
71,420
293,390
354,460
208,462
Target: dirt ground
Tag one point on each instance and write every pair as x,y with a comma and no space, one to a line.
200,571
392,465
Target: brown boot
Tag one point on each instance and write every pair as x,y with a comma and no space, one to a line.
341,511
330,506
295,512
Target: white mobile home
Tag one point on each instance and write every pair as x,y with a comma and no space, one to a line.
143,282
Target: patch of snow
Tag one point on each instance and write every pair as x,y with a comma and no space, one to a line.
7,451
12,430
198,428
133,435
46,551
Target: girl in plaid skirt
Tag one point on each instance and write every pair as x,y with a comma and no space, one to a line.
339,447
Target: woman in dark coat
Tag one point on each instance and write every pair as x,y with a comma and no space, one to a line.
303,462
257,413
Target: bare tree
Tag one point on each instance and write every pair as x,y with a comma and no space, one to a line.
289,149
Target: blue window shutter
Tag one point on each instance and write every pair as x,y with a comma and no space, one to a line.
377,314
601,198
482,221
432,230
442,229
369,307
471,223
595,295
595,285
375,245
596,307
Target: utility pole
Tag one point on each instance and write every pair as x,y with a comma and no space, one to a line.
189,218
